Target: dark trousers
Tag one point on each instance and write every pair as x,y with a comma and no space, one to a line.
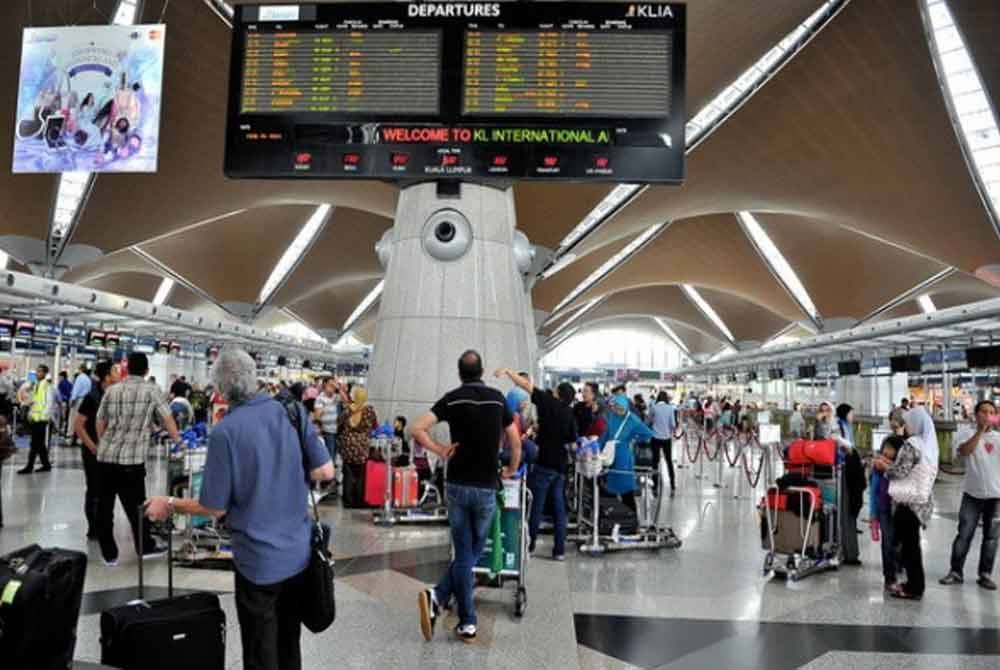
39,444
667,448
971,511
548,484
354,485
270,623
907,527
127,483
90,496
889,559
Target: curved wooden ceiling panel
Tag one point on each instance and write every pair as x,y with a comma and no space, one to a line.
345,251
330,307
547,293
852,131
664,301
958,289
120,261
746,320
845,274
706,251
232,258
130,284
189,186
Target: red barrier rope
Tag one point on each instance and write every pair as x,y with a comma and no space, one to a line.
718,440
752,479
687,448
736,457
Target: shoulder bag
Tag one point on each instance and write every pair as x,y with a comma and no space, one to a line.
914,489
608,451
318,601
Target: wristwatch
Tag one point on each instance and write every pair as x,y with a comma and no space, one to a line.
170,504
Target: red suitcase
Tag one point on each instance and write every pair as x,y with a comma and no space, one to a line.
405,487
375,483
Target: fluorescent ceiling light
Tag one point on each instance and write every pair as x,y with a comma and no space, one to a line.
708,118
293,254
563,261
707,310
125,15
974,116
672,335
162,293
611,265
927,305
778,263
604,208
363,306
4,259
69,194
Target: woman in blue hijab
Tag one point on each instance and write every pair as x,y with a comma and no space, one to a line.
624,428
517,402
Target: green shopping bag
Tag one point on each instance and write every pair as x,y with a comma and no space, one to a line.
496,538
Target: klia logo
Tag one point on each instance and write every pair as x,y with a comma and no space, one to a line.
650,11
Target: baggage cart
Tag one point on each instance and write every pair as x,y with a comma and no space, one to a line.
428,508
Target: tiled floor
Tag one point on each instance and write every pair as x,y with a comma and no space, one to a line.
705,605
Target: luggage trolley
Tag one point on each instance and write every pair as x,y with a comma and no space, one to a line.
514,513
800,513
401,504
593,539
202,538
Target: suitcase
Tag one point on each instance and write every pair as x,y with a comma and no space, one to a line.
40,595
613,512
788,533
186,632
405,487
375,483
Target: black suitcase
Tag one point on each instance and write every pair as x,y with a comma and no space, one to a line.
40,594
186,632
613,512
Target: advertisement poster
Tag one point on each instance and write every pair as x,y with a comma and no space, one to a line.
89,99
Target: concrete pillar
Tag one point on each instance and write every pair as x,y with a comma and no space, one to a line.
453,282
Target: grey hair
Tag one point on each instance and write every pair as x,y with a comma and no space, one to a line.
235,375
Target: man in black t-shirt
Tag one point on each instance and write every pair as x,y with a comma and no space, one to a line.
477,417
556,430
85,428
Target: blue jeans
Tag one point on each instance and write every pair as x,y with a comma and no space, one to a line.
470,512
889,559
544,482
330,439
968,518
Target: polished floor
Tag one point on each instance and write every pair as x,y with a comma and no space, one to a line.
705,605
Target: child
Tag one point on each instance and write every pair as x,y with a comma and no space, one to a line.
880,514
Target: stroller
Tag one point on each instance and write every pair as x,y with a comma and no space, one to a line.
800,512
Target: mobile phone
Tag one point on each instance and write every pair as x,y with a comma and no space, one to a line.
995,420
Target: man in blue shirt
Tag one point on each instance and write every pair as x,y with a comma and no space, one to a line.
255,475
664,423
82,386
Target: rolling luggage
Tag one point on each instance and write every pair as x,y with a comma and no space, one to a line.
375,483
790,533
186,632
405,487
40,594
613,512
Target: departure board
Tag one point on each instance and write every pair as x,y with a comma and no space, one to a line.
342,71
582,73
460,90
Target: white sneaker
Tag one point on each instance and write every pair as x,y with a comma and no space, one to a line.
466,633
110,564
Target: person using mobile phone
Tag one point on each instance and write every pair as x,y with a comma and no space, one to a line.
980,448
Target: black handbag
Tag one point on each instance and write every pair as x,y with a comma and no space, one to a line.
318,601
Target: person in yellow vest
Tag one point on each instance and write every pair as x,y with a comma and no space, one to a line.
39,416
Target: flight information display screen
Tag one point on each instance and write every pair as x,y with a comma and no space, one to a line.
590,91
583,73
342,71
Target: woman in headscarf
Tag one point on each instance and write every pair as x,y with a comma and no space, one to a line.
853,487
355,427
624,428
908,517
920,424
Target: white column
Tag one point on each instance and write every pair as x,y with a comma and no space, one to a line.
434,308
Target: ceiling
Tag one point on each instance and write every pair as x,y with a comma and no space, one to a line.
847,157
